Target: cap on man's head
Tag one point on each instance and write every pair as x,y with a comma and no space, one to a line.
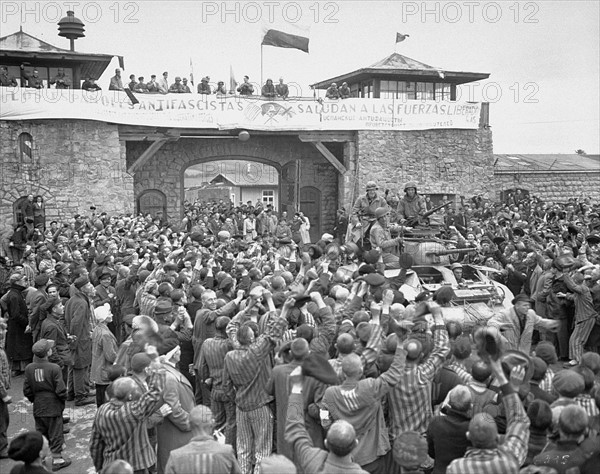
102,313
547,352
568,383
42,347
60,267
371,185
26,447
81,282
163,307
539,368
105,276
41,280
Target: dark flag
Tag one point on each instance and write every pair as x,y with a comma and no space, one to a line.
131,96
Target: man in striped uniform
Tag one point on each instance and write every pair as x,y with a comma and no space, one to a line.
585,314
359,402
210,368
202,454
245,376
488,455
410,399
204,328
119,430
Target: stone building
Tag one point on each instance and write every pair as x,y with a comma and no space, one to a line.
554,178
78,150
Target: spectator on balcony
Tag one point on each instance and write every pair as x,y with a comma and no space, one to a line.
140,86
221,89
344,91
153,86
185,86
5,79
34,81
268,90
282,89
204,86
332,92
176,87
116,83
61,81
90,85
246,88
163,83
132,84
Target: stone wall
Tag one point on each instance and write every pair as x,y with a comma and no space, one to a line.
74,164
164,171
555,187
458,162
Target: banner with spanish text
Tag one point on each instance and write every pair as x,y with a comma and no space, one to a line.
226,112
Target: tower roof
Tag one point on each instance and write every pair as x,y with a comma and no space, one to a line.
20,46
402,68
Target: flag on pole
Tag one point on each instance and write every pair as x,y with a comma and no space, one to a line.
232,81
288,35
400,37
191,72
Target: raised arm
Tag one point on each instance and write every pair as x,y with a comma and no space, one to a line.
441,346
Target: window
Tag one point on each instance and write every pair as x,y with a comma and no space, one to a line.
407,90
268,196
367,90
26,147
18,211
388,89
46,73
424,90
442,91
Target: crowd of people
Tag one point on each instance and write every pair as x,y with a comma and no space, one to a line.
229,342
164,85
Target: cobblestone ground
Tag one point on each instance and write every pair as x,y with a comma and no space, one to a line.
77,441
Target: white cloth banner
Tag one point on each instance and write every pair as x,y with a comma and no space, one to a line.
233,112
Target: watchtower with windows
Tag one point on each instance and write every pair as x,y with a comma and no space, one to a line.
400,77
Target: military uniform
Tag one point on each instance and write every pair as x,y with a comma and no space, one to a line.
381,238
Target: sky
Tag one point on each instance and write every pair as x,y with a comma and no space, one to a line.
543,56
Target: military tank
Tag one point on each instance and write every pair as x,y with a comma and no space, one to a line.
428,261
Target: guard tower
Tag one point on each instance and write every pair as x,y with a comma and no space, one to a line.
400,77
22,48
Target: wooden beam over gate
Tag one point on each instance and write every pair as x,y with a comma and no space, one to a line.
149,153
329,156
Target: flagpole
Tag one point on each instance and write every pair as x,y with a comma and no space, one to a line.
261,65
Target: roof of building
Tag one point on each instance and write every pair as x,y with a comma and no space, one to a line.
244,180
20,46
546,162
399,67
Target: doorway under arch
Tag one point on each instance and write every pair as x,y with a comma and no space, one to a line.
286,187
154,202
236,181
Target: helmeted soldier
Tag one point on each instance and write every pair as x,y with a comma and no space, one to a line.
412,206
